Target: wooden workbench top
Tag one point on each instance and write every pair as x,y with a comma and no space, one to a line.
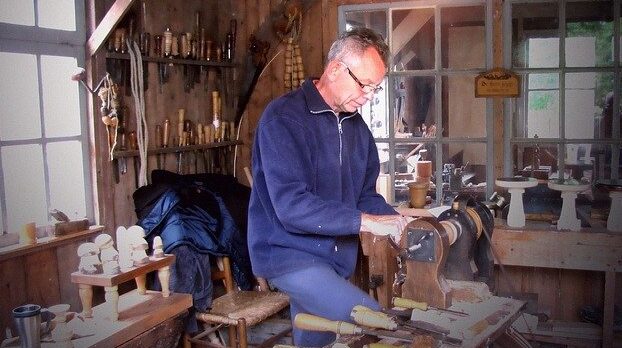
137,314
488,318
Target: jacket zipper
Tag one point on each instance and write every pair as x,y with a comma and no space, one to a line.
340,129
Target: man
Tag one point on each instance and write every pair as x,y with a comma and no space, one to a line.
315,165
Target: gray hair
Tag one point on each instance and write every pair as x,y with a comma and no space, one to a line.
355,41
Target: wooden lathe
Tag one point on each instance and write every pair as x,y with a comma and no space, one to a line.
437,263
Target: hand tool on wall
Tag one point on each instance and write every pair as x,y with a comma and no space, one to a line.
257,62
122,161
208,129
134,146
314,323
180,138
166,131
158,52
158,144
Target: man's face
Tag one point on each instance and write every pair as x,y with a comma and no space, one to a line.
359,81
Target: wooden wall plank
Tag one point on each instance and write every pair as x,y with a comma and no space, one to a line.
313,53
42,286
68,261
497,53
13,289
566,250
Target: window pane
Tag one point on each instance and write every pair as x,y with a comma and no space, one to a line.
22,167
20,12
61,106
19,97
535,35
543,114
537,107
463,114
579,161
604,120
406,157
602,155
463,37
57,14
535,160
585,99
65,166
375,113
464,170
543,53
536,114
413,39
415,111
589,33
543,81
376,20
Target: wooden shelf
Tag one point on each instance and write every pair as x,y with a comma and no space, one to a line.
46,243
177,149
126,274
178,61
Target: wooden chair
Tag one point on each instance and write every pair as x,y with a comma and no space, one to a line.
239,310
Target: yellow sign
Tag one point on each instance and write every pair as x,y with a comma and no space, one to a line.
497,82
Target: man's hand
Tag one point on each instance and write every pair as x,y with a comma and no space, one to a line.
385,225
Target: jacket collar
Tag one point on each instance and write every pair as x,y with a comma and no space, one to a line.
315,102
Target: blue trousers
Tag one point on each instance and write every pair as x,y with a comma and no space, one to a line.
320,291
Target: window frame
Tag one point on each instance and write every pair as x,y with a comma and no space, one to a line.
562,71
438,72
40,41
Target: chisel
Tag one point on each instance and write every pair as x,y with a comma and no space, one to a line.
407,303
314,323
158,144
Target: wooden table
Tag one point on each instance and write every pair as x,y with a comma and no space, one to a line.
111,282
138,314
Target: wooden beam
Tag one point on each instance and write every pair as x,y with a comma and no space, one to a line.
103,30
410,26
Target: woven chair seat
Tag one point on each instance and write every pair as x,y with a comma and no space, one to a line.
253,306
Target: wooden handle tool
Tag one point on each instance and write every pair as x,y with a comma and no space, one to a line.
367,317
166,132
314,323
408,303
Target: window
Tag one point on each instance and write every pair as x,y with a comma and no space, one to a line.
567,119
428,102
44,155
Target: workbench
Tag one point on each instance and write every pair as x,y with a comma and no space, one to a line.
489,319
543,246
139,316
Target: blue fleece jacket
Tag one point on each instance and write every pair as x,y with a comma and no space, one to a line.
314,172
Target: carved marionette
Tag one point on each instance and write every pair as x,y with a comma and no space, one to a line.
89,259
139,251
109,255
158,252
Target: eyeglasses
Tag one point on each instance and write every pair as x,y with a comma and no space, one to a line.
366,88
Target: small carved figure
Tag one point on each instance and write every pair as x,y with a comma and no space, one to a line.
89,259
158,252
109,255
139,248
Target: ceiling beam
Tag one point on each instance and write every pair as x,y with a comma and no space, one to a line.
103,30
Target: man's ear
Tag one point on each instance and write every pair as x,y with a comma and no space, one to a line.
334,69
